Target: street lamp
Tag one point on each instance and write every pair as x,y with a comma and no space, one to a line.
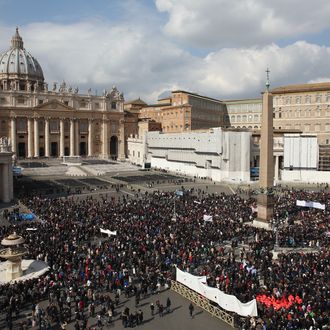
276,225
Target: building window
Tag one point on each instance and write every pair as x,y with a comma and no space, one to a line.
113,105
298,99
54,126
20,100
66,102
21,124
40,101
83,127
318,98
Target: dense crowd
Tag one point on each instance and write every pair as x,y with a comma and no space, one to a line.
141,256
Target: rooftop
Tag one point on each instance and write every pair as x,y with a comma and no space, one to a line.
313,87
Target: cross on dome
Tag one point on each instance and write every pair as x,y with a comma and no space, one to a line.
17,41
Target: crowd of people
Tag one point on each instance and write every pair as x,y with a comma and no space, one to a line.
140,258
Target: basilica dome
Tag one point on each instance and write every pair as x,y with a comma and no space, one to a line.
19,65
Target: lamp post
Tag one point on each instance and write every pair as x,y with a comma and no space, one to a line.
276,225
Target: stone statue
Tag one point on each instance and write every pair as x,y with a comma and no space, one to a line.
28,86
76,90
62,88
89,91
4,144
36,86
45,87
54,86
70,89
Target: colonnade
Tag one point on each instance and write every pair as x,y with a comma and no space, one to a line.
34,132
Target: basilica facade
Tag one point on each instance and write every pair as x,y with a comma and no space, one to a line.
57,121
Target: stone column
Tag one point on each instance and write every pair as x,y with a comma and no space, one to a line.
76,131
90,138
36,138
121,142
71,137
105,139
10,182
276,168
30,138
61,137
5,185
266,177
13,135
46,137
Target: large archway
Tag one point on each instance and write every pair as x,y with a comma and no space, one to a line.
114,147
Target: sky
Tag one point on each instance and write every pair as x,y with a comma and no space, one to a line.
216,48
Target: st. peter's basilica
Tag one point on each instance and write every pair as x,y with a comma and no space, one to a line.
55,121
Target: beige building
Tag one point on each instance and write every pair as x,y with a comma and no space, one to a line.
245,113
304,107
56,122
184,111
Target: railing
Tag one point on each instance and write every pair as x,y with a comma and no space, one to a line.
202,302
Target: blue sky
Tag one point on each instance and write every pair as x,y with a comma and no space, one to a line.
218,48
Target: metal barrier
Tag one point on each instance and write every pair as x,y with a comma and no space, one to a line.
202,302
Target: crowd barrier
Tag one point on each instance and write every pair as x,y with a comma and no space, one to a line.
202,302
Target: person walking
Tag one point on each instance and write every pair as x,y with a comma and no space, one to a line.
191,310
152,308
168,305
161,310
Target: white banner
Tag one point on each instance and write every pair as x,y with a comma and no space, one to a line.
108,232
208,218
189,280
315,205
226,301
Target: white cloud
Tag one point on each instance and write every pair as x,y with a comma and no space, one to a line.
142,62
97,54
223,23
236,71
